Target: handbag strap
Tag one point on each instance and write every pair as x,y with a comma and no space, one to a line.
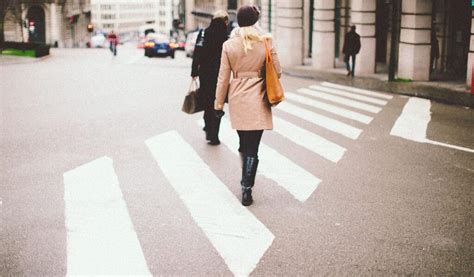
194,85
268,55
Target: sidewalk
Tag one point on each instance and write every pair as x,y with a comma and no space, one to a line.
10,59
454,93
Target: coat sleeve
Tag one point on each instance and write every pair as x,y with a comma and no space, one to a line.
222,80
276,61
197,54
358,44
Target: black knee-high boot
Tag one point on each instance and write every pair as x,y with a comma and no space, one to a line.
249,170
213,131
242,157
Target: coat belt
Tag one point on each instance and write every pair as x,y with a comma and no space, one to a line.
248,74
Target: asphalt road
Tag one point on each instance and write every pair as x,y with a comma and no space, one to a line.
97,160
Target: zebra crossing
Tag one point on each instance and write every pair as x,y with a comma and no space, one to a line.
101,236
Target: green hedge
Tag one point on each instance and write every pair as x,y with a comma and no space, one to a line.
17,52
39,49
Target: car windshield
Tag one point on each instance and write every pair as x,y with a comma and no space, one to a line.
158,38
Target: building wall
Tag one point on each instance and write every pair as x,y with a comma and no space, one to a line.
12,29
125,16
418,17
199,12
58,31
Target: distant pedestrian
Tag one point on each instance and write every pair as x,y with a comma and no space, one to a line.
243,56
206,63
350,49
113,42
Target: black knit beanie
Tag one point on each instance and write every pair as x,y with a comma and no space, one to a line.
247,16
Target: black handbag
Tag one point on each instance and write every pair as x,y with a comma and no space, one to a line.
193,101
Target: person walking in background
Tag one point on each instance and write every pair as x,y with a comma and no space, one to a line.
113,41
206,63
243,56
350,49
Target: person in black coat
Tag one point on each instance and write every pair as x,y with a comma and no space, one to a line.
206,64
350,49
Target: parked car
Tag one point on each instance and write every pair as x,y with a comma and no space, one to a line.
190,42
158,45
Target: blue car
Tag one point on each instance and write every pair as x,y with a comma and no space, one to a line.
158,45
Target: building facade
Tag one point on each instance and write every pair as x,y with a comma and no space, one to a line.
433,37
125,16
198,13
58,23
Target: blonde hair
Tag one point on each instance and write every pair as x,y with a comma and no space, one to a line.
221,14
250,35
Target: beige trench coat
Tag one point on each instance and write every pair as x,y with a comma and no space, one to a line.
248,109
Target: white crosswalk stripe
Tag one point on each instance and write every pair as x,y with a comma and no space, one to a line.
358,90
340,100
328,107
291,177
100,235
347,94
101,239
308,140
239,237
320,120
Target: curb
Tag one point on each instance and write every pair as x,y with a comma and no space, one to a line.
22,60
435,93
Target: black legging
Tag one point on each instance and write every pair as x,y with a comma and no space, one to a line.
249,142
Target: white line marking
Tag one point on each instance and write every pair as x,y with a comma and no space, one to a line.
101,239
340,100
349,95
358,90
239,237
413,123
320,120
288,175
328,107
319,145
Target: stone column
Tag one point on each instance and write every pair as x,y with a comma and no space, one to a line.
415,40
470,59
290,32
55,24
190,22
363,16
324,36
274,18
265,11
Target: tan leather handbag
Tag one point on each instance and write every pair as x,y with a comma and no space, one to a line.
275,93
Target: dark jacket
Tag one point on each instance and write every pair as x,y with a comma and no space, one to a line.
351,43
207,59
196,53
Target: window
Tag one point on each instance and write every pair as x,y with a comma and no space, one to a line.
232,5
107,16
107,7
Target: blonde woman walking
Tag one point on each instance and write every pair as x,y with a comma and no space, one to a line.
243,58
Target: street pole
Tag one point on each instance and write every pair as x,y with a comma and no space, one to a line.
395,39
